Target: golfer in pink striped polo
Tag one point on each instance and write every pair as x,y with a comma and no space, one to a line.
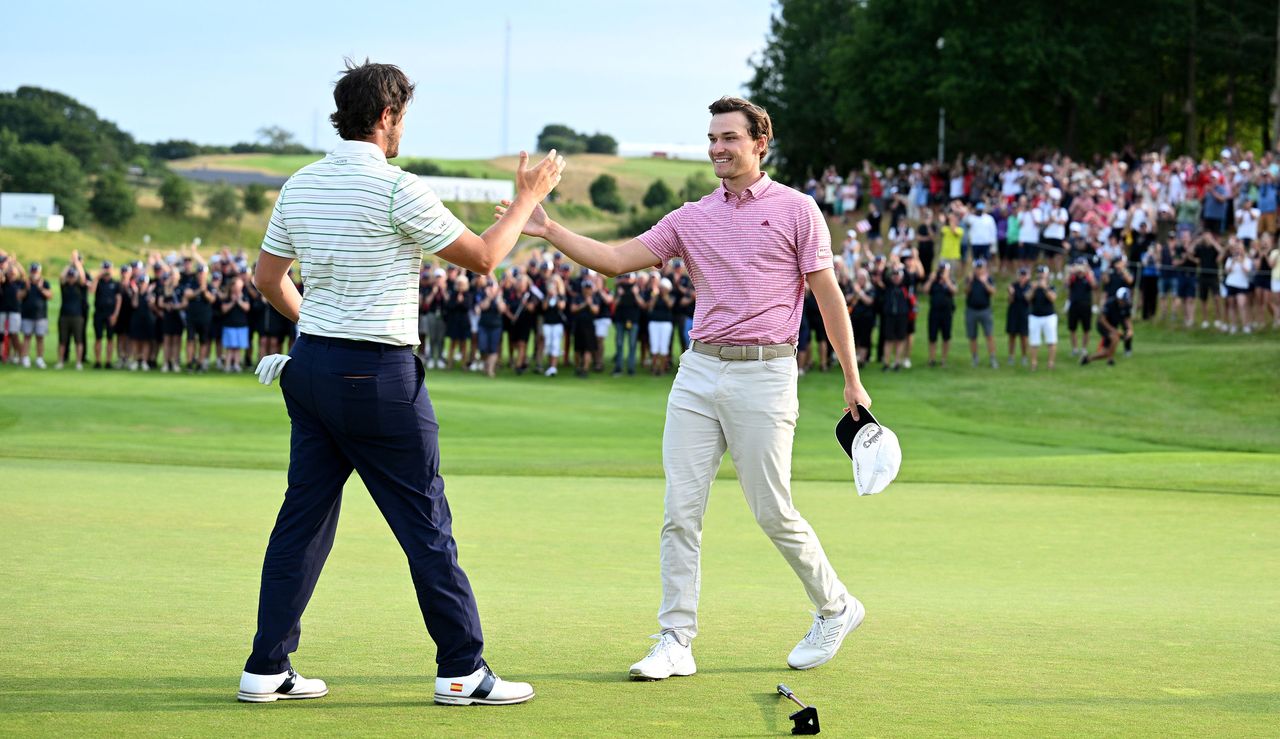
749,246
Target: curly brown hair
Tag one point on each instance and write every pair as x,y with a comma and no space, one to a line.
363,92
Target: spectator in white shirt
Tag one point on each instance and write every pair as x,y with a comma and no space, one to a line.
1247,223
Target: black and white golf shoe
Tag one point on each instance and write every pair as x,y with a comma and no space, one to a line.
482,688
285,686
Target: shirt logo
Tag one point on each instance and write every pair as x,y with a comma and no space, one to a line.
766,223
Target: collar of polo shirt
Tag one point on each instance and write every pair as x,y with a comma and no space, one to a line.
364,148
755,190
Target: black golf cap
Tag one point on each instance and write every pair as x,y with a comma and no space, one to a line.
848,428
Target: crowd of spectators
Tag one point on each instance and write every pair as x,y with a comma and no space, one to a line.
172,312
1192,245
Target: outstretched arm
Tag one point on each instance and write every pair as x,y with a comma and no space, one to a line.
608,260
484,252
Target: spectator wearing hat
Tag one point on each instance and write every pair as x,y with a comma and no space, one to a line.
434,302
72,311
1043,318
979,288
1115,323
1266,202
626,322
897,310
941,289
1116,277
1207,252
952,240
107,300
490,306
458,319
585,308
554,318
524,310
981,228
1016,324
661,308
34,294
1080,284
142,320
171,302
1216,201
235,325
200,298
11,283
1056,219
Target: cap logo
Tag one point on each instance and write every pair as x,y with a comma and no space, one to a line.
873,438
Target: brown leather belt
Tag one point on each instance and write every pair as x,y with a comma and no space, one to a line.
755,353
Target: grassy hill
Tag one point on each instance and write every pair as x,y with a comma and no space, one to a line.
634,175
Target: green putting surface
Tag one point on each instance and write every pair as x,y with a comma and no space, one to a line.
1094,552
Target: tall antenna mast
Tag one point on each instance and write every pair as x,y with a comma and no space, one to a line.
506,88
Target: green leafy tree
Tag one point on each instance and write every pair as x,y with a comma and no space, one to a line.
696,187
604,194
602,143
113,202
255,198
42,116
30,167
554,136
223,204
175,195
659,195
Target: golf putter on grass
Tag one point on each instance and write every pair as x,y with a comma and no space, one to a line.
806,719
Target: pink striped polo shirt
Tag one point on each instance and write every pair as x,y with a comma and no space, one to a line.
747,256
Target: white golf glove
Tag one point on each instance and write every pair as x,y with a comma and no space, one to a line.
270,367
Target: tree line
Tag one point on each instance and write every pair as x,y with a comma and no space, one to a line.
846,80
53,143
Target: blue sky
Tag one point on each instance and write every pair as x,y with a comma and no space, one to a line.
216,72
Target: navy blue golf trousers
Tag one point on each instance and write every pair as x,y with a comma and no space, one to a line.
363,407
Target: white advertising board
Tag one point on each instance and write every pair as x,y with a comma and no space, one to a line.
470,190
28,210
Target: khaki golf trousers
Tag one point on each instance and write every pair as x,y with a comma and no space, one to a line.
750,408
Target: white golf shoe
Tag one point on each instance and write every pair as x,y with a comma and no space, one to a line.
285,686
825,636
481,687
668,657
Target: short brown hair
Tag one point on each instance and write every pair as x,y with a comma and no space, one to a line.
758,123
363,92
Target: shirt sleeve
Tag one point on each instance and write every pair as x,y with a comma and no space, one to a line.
813,239
277,241
663,239
417,212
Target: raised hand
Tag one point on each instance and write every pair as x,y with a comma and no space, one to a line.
541,179
537,224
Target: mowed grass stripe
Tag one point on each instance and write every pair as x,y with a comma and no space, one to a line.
990,610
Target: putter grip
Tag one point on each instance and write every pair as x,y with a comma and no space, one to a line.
784,690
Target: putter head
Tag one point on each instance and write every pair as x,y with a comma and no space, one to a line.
806,721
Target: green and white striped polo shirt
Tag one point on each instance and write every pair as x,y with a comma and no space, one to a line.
358,227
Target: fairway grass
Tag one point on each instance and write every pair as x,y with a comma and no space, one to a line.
1083,553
